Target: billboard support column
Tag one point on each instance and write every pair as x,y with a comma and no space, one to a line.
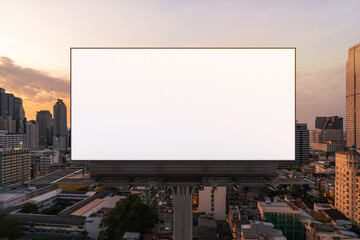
183,224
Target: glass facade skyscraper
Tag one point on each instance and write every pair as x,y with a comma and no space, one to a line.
11,106
353,97
60,125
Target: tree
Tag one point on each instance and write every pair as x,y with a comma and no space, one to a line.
84,235
130,215
29,208
54,210
297,191
272,193
10,226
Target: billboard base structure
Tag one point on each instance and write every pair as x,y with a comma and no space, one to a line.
183,177
183,169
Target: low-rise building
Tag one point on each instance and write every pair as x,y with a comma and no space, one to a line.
11,199
260,230
285,217
70,222
213,201
234,215
338,219
42,160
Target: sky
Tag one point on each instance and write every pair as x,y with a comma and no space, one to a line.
36,37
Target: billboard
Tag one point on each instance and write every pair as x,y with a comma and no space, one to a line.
183,104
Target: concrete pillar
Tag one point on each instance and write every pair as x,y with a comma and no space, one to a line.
183,221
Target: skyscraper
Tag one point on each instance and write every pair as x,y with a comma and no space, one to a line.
352,97
44,119
11,107
60,125
333,122
302,146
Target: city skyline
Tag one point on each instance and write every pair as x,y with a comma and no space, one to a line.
35,48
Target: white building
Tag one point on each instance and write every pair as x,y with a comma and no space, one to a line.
11,199
32,134
94,212
324,167
12,140
42,160
213,201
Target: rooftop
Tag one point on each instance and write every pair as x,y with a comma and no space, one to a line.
131,235
335,214
51,219
54,177
318,216
4,197
45,196
278,207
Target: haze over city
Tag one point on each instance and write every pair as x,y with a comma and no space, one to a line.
180,143
35,41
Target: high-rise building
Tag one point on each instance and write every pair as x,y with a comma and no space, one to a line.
19,115
346,168
8,124
213,201
11,106
352,97
32,134
44,119
333,122
14,166
302,147
301,143
60,125
328,136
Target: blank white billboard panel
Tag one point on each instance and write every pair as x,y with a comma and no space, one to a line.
183,104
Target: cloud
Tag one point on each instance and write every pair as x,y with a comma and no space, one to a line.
37,89
33,85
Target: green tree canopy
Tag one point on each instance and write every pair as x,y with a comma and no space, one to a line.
54,210
297,191
29,208
10,226
129,215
